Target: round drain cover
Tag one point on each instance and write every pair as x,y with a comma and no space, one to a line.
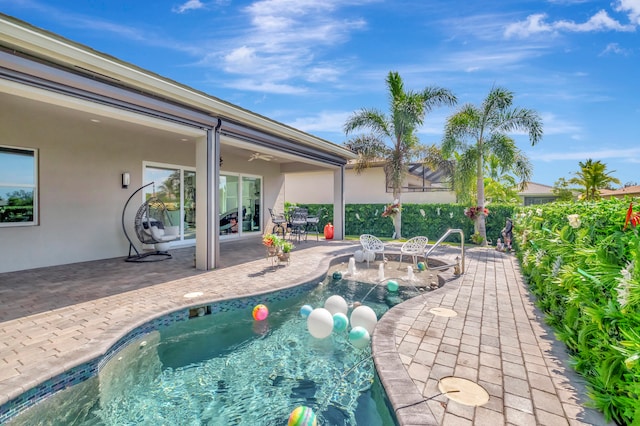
443,312
463,391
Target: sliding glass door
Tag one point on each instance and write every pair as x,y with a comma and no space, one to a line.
240,201
175,186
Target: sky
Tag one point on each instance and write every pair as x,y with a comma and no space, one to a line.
311,64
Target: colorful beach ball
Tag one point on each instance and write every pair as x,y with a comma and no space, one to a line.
260,312
337,275
422,266
302,416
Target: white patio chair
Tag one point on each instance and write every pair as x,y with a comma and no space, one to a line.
371,244
413,247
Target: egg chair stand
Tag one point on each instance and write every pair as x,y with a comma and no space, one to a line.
152,226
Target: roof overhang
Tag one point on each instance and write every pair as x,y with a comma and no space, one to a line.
25,39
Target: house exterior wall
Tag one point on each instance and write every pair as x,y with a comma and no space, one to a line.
368,187
80,193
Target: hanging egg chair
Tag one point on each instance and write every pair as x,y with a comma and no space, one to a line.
152,226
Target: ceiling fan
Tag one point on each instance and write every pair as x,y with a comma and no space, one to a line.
259,156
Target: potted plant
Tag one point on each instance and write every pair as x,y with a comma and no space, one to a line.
285,250
272,242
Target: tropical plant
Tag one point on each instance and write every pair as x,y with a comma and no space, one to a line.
477,132
286,246
271,240
407,111
581,262
591,178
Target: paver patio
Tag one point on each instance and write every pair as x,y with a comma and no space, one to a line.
52,319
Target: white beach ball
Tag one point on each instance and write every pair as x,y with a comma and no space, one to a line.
320,323
336,304
364,316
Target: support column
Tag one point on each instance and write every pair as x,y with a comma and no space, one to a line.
338,204
206,234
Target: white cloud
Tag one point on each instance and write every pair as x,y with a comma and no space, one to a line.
603,154
615,49
536,24
322,122
631,7
189,5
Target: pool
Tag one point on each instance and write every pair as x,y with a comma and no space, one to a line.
225,368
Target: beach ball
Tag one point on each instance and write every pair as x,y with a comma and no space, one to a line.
340,322
335,304
422,266
302,416
359,337
392,285
337,275
305,310
320,323
364,316
260,313
359,256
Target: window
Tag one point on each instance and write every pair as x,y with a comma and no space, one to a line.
176,187
18,186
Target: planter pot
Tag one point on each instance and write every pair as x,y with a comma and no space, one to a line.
272,251
284,256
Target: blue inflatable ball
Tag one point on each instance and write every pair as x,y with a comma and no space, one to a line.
392,285
422,266
340,322
337,275
305,310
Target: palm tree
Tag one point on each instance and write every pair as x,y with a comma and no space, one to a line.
593,177
407,111
475,132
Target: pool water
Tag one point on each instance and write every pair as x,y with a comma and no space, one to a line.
228,369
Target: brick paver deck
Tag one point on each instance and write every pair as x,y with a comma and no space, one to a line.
52,319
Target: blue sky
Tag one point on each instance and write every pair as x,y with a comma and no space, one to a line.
310,64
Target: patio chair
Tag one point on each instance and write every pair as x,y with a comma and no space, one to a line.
413,247
371,244
279,223
313,222
299,223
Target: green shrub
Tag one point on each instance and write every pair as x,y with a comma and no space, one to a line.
583,269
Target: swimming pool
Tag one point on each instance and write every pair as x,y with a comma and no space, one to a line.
227,369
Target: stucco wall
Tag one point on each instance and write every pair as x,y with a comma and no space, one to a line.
80,194
367,187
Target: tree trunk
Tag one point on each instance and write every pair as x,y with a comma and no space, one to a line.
482,227
397,225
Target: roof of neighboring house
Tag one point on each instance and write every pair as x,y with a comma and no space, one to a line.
53,48
536,189
632,191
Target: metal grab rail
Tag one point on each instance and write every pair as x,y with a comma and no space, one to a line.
459,265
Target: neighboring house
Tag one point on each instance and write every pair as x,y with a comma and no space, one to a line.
77,123
537,193
629,191
370,187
